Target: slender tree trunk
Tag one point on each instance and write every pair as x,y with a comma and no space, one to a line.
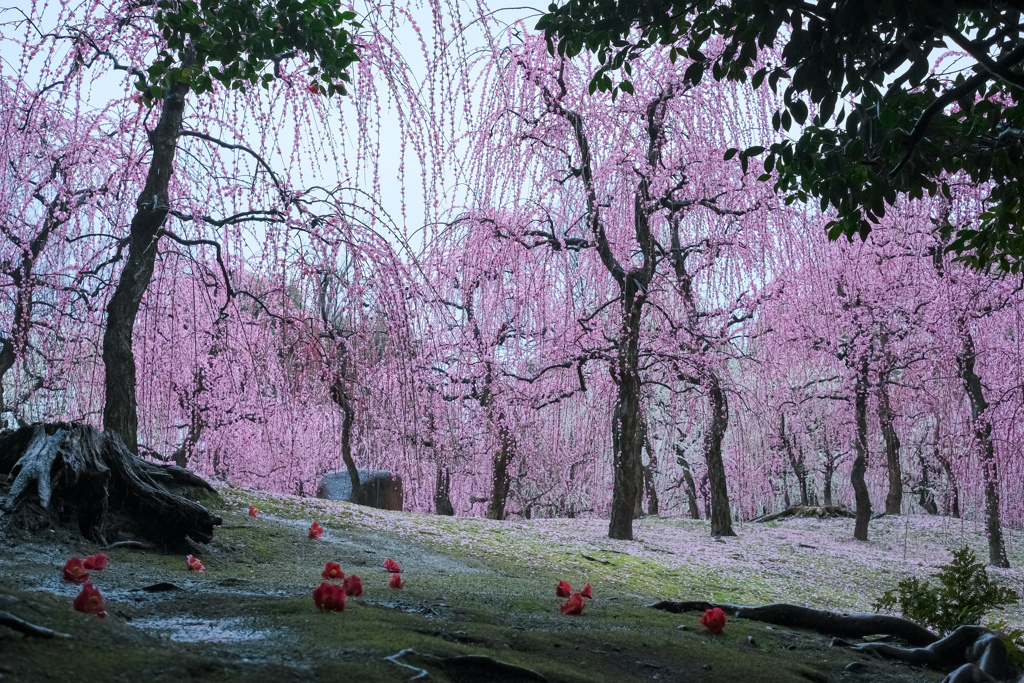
640,441
340,396
860,463
649,470
442,492
501,480
799,467
886,418
721,518
120,409
691,487
982,426
925,497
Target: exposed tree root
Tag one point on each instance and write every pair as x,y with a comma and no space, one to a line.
74,472
821,512
10,621
973,654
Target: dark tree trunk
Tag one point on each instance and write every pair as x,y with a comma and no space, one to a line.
721,518
649,470
828,471
925,497
641,441
953,495
860,462
120,409
886,419
442,492
982,426
627,437
341,398
798,464
76,474
501,480
691,487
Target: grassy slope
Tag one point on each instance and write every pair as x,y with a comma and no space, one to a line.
474,587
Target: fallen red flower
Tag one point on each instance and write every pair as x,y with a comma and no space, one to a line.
396,581
586,592
333,571
563,590
253,511
315,531
99,562
714,620
74,571
195,564
90,601
574,605
392,566
353,586
329,597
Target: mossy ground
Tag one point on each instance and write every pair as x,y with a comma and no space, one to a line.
473,587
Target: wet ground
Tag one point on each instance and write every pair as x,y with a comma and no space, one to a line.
250,616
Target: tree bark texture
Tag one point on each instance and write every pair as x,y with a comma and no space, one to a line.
799,467
75,473
120,408
627,439
886,419
982,426
721,517
442,492
688,483
860,462
500,479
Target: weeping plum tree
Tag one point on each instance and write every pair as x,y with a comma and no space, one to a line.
200,43
634,195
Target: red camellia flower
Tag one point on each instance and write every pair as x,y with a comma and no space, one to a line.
573,606
392,566
354,585
714,620
333,571
329,597
194,564
90,601
99,562
74,571
253,511
563,590
586,592
396,581
315,531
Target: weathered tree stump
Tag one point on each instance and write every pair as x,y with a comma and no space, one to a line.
968,654
75,474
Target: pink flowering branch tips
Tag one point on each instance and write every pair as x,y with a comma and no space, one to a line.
74,571
315,531
329,597
714,620
90,601
195,564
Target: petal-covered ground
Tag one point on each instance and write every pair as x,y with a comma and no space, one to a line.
472,586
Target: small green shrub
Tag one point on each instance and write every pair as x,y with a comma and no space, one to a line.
963,593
